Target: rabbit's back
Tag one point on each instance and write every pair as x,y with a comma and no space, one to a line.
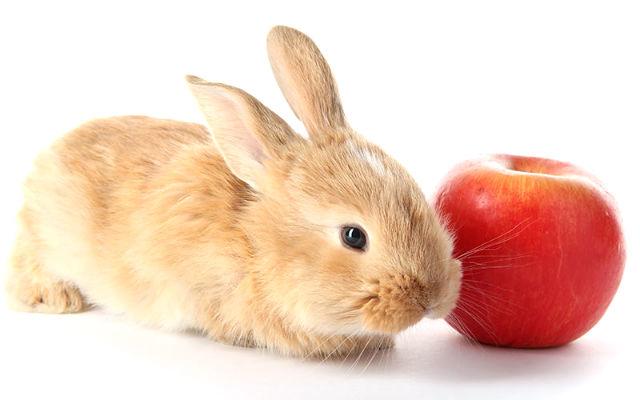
128,145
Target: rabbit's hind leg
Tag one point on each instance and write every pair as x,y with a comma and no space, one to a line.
31,288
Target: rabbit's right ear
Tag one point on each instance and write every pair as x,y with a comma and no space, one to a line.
306,81
246,132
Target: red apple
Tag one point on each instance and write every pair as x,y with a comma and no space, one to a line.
541,247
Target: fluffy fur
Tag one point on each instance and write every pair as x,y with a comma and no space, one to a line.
236,233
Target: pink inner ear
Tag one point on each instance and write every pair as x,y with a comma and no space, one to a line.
255,149
234,124
241,123
238,136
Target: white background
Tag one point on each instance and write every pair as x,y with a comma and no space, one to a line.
432,82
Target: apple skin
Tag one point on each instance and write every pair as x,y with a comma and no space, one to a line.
541,247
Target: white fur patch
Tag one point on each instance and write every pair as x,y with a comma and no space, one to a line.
367,156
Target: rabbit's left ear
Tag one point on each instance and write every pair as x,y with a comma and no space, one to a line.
306,81
246,132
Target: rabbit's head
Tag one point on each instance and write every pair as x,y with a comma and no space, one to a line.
344,240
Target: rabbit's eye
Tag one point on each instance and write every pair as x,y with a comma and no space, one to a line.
354,237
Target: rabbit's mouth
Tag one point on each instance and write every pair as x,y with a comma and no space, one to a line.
396,302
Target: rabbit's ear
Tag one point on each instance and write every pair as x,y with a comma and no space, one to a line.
306,81
246,132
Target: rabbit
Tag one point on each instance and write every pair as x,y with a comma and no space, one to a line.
243,230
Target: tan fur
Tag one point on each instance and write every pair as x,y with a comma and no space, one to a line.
306,80
237,233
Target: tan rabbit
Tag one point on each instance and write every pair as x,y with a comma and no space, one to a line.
246,231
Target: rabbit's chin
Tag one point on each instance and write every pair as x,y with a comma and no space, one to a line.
393,325
439,312
362,326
